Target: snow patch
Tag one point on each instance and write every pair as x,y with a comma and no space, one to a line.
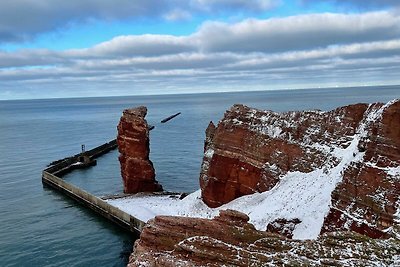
392,171
272,131
146,207
209,153
237,122
395,172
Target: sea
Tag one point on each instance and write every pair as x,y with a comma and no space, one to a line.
41,227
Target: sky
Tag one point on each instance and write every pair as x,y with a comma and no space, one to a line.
88,48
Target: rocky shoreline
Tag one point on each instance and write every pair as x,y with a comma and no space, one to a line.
229,240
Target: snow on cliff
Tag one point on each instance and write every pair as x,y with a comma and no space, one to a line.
302,195
305,196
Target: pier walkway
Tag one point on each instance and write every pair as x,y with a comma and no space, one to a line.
51,176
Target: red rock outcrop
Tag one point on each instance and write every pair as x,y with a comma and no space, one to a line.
283,227
367,200
229,240
354,148
250,151
137,170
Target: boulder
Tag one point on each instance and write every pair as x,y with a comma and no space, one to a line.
283,227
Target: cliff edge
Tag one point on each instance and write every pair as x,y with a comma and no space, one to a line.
229,240
347,160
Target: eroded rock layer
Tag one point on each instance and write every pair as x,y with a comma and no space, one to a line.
229,240
137,170
367,200
355,148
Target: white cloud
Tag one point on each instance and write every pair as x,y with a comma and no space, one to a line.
296,33
177,15
306,49
299,32
138,45
363,4
21,20
251,5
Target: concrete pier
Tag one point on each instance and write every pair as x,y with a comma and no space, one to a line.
66,165
51,176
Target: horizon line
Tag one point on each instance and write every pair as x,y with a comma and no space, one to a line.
193,93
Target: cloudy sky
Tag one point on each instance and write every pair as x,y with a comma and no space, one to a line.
57,48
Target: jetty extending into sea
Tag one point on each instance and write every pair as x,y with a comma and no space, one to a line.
52,177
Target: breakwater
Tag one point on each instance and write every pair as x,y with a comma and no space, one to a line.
51,176
83,159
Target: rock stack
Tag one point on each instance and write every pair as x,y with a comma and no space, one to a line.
137,170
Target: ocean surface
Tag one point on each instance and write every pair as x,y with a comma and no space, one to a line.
40,227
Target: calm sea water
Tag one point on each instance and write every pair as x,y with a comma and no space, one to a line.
39,227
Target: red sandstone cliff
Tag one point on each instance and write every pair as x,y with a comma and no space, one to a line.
356,148
318,173
133,144
367,200
229,240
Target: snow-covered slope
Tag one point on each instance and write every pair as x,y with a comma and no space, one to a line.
338,152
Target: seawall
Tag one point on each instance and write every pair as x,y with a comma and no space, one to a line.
51,177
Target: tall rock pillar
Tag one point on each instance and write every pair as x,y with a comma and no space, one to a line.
137,170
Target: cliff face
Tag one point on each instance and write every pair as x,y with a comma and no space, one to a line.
355,150
250,149
367,200
133,144
303,175
229,240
